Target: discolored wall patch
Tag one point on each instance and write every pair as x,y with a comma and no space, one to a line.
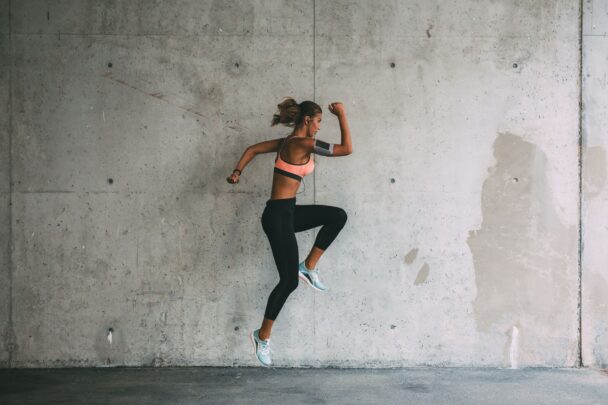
594,171
411,256
423,274
595,322
525,259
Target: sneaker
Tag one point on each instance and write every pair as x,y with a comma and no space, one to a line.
261,348
311,277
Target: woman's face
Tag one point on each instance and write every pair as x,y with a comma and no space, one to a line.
314,125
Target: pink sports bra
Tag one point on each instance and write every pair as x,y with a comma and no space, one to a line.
295,171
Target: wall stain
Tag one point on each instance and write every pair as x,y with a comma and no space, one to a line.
525,259
167,98
595,323
206,96
423,274
594,171
506,350
411,256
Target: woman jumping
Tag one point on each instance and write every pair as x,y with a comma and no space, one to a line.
282,218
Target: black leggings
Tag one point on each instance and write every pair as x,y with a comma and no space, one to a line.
281,220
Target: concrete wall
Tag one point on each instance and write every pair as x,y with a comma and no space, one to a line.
5,236
462,193
595,194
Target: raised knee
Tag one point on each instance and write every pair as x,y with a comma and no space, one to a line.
341,216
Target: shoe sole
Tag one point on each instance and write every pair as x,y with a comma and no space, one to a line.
303,277
255,350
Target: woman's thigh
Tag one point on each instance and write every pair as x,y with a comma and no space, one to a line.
314,215
283,242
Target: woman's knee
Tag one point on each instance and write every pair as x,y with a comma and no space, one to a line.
341,216
289,284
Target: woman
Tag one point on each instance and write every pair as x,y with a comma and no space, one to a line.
282,217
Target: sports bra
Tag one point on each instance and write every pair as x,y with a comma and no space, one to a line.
295,171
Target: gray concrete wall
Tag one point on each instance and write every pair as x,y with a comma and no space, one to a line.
595,195
5,236
477,124
462,192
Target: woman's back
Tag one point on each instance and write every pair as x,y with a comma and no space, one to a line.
291,165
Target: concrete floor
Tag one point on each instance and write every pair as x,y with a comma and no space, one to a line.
295,386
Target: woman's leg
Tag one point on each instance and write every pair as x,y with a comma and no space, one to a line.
280,232
266,329
311,216
313,257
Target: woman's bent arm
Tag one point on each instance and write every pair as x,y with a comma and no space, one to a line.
346,146
253,150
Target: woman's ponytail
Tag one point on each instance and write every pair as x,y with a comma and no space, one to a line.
289,110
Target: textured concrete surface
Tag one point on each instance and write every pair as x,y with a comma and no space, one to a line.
462,191
595,194
4,281
465,148
303,386
166,255
5,226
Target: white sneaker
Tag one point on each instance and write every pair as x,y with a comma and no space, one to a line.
311,277
261,348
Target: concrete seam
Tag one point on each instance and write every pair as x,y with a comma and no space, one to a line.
314,84
314,176
10,333
580,190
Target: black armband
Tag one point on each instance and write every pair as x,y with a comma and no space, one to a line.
323,148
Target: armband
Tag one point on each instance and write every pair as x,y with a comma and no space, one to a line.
323,148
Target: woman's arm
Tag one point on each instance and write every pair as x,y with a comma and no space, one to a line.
317,146
250,153
346,146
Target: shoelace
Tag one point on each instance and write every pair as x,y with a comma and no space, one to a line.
264,347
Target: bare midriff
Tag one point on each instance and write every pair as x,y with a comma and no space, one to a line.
283,187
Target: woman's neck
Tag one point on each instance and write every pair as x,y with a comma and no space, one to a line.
299,132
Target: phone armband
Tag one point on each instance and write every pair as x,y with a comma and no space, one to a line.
323,148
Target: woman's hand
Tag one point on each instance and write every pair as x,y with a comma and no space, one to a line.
234,177
337,109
